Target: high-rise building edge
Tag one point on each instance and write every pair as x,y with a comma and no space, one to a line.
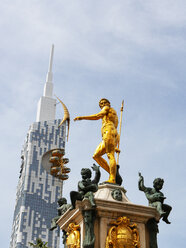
37,191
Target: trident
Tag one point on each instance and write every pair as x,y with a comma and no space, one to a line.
122,105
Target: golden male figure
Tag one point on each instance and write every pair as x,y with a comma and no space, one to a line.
110,137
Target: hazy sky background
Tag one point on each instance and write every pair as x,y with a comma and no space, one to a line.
119,49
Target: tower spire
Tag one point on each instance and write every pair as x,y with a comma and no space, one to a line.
49,74
46,106
48,88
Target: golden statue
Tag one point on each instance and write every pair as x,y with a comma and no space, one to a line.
122,234
110,137
73,236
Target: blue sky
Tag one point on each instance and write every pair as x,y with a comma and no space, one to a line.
131,50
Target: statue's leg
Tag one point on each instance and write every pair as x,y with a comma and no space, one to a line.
112,162
74,196
91,199
167,209
53,223
159,208
110,145
100,151
90,196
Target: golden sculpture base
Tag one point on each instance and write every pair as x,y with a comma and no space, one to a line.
108,210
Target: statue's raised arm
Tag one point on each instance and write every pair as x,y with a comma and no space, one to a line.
97,174
141,185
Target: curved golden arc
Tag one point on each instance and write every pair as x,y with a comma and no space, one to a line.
66,116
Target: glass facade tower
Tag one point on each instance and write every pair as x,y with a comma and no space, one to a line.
37,191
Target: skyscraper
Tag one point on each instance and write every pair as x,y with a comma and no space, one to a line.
37,191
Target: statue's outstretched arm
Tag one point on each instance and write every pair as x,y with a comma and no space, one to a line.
97,116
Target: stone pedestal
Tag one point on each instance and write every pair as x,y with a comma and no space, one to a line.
109,210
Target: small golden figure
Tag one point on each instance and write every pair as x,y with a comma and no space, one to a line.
110,137
73,236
